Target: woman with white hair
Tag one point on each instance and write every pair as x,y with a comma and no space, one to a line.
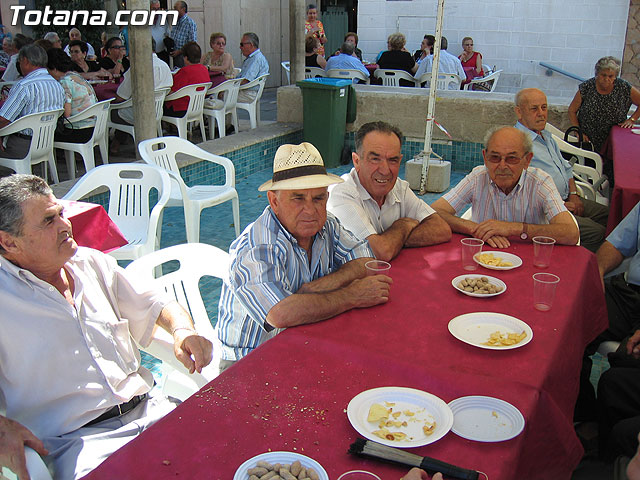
603,101
397,57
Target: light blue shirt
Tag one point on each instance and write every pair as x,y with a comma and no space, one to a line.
448,64
547,157
343,60
268,265
626,238
254,66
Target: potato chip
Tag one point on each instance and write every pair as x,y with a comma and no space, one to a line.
377,412
499,339
491,259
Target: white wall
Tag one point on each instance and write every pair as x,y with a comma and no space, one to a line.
512,35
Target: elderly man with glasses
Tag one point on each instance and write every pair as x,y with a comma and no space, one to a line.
509,198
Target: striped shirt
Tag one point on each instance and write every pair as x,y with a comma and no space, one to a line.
184,31
535,198
35,93
268,265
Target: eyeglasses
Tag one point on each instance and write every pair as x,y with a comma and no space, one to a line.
244,43
510,159
468,44
118,46
222,44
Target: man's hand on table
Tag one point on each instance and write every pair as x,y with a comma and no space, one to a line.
13,438
490,229
633,345
419,474
188,344
370,291
574,205
498,241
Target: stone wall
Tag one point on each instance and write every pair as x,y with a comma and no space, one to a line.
467,116
631,58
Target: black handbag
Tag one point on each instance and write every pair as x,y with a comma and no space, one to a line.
581,142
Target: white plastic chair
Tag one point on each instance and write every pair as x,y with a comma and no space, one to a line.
286,66
589,182
391,78
159,96
217,109
253,107
348,73
162,152
314,72
446,81
43,126
196,94
196,260
129,186
554,130
100,111
488,78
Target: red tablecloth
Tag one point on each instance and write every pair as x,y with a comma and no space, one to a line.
92,226
216,78
623,147
104,91
292,392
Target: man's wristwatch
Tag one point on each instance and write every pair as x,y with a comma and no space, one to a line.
524,235
573,193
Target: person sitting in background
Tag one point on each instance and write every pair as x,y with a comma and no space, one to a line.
54,39
79,96
88,69
218,60
373,203
7,51
295,264
426,49
531,109
159,31
312,59
346,60
398,58
103,47
115,61
254,65
13,73
37,92
353,38
471,60
508,199
602,102
448,63
314,27
74,34
193,72
45,44
69,321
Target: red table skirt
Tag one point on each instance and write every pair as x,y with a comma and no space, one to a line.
104,91
92,226
291,393
623,147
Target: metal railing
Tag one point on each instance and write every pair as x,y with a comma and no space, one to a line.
552,68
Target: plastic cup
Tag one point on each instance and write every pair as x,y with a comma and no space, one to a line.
377,267
542,249
469,247
359,475
544,290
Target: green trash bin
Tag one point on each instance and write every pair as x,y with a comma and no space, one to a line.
327,102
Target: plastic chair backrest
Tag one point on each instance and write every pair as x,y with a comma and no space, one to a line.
580,154
314,72
229,90
391,78
446,81
129,187
259,82
488,78
196,94
159,96
43,126
100,111
347,73
286,66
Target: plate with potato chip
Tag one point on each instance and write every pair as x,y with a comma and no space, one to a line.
481,286
497,260
493,331
262,464
399,416
485,419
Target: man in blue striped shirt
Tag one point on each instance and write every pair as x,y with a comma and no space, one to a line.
36,92
295,264
509,198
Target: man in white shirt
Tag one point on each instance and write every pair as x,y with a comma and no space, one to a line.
71,382
162,78
373,203
448,63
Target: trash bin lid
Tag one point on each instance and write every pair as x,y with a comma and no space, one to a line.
334,82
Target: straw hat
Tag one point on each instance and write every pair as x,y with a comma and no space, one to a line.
299,167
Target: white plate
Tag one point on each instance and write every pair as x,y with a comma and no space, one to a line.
485,419
492,280
426,406
515,260
475,328
280,457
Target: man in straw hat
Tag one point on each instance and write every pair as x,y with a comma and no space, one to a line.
295,264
